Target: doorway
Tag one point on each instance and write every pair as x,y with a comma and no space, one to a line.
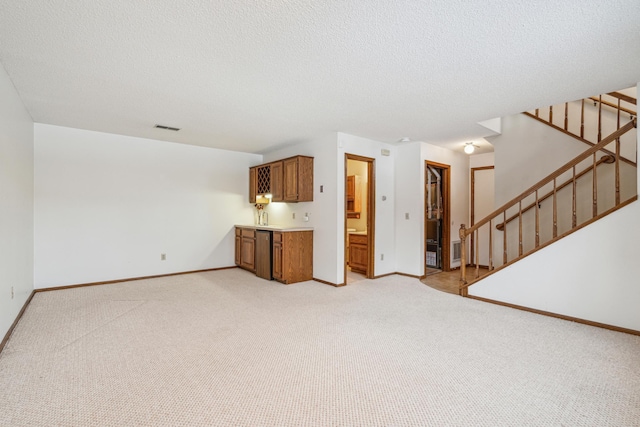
482,204
437,218
359,215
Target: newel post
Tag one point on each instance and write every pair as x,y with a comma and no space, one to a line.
463,260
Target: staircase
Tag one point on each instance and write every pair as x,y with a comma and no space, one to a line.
594,184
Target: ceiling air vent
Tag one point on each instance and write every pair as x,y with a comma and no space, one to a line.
167,128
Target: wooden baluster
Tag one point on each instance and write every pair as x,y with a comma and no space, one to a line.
520,228
537,112
582,120
555,209
617,170
595,186
463,259
551,114
504,237
477,253
600,118
537,220
574,217
566,116
490,244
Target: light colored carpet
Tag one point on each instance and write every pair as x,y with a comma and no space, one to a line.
226,348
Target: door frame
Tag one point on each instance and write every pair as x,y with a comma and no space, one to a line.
446,215
371,213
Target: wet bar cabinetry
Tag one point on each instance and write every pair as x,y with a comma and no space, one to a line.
246,248
291,254
287,180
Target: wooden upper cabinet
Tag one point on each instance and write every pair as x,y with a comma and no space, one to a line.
298,179
354,196
277,177
253,185
288,180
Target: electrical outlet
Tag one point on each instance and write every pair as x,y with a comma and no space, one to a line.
306,217
406,215
12,292
163,257
322,188
293,215
381,257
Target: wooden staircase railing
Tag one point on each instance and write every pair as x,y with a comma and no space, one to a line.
621,111
514,210
606,159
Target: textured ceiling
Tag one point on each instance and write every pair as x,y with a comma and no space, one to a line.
251,76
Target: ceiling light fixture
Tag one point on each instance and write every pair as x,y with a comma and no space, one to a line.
405,139
469,147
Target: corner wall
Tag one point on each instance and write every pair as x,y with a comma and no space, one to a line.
16,203
107,206
321,212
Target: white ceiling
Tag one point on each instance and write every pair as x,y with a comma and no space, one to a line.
254,75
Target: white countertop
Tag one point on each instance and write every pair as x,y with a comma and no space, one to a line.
275,227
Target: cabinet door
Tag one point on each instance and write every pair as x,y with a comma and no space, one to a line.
351,187
248,252
248,256
290,179
277,184
277,256
358,253
238,255
252,185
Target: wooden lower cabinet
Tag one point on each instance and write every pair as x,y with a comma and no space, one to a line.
277,256
291,254
238,255
246,254
358,253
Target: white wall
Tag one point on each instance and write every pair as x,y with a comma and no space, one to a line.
107,206
410,199
322,211
16,203
588,275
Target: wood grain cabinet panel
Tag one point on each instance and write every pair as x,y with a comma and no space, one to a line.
358,253
354,196
277,184
277,256
238,255
247,249
293,256
253,185
298,179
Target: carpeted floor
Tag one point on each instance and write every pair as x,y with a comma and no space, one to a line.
226,348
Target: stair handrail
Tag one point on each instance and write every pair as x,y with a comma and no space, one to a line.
464,232
606,159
